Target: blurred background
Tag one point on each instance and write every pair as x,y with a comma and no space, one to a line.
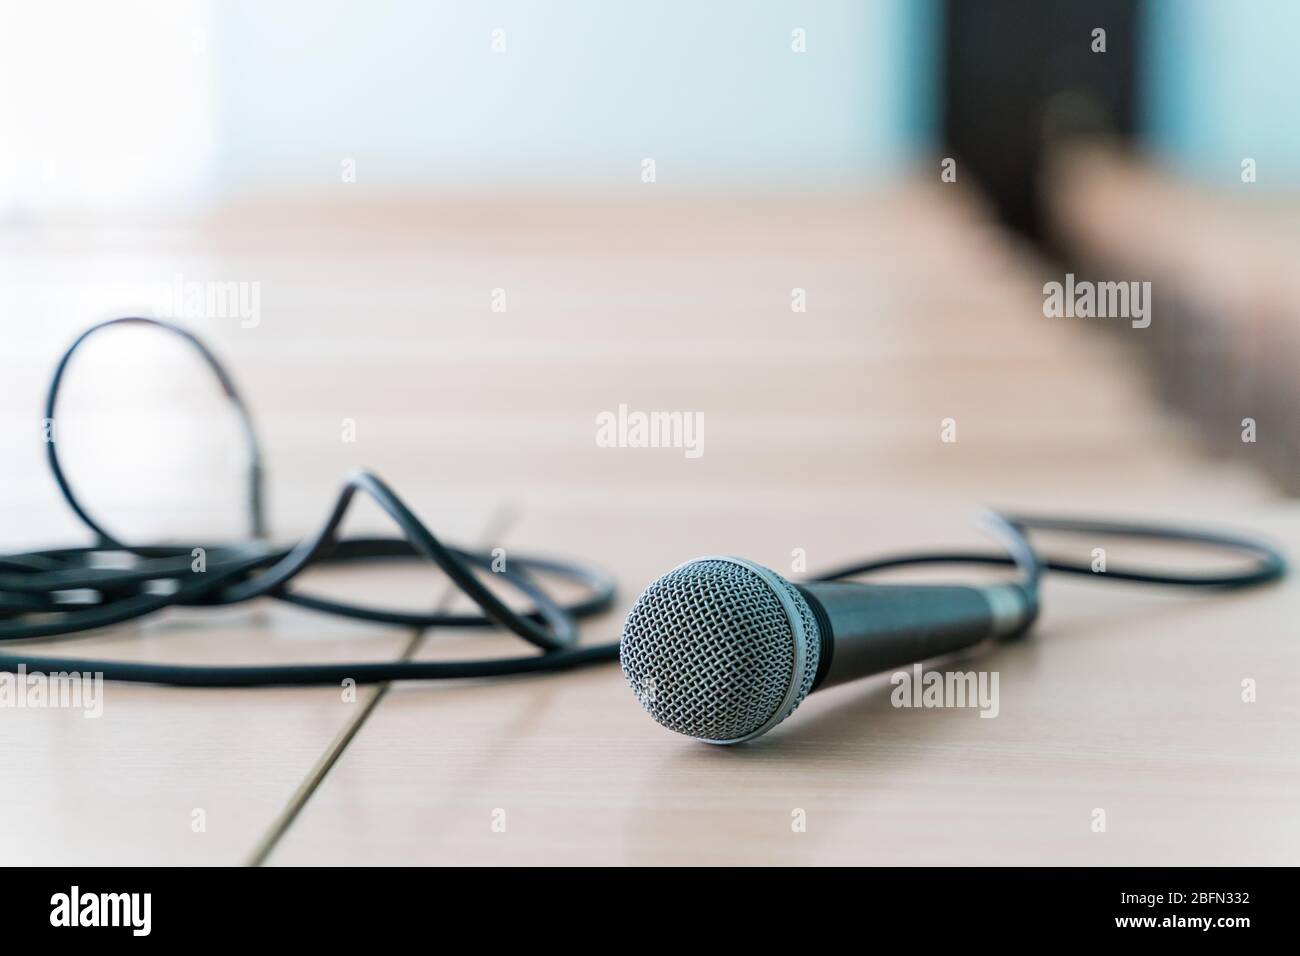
467,228
441,240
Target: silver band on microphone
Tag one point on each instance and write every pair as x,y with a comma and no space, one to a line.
1009,608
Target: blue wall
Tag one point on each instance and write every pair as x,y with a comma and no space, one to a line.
585,90
1221,80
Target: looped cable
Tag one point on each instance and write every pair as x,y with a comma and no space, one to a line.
1267,564
37,584
160,576
256,519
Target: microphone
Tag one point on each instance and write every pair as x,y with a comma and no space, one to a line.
723,649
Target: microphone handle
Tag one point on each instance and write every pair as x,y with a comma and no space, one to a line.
869,628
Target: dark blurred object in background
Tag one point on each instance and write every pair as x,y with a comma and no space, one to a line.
1140,162
1021,76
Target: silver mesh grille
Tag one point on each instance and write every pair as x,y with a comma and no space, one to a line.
710,651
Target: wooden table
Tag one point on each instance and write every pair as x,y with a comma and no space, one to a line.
1220,256
823,432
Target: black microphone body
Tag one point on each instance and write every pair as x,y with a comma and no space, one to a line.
869,628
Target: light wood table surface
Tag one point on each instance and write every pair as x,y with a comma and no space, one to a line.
822,432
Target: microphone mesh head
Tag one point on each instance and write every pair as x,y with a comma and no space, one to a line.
720,649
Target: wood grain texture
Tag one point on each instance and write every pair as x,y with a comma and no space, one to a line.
822,432
1220,260
1125,699
123,787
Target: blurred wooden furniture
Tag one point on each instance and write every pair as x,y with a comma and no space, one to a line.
1225,337
822,432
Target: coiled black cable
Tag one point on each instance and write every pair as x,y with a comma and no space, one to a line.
33,584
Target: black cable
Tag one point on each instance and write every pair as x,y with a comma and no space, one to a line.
146,579
1267,562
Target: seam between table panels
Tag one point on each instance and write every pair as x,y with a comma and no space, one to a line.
497,525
